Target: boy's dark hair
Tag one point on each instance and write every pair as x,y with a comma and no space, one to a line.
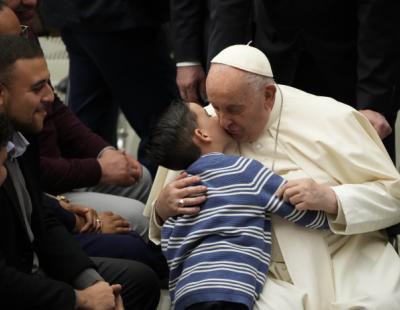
171,141
5,130
13,48
2,4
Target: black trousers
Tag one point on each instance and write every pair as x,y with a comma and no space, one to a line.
140,285
128,70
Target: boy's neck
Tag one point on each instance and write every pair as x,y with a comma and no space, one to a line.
212,149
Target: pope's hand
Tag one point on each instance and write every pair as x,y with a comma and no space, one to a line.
180,196
306,194
379,122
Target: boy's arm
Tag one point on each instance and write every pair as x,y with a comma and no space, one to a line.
275,205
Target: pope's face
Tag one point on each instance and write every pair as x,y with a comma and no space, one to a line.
25,94
242,112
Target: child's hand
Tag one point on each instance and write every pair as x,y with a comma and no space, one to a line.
306,194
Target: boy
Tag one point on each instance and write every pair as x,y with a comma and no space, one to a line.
235,219
5,135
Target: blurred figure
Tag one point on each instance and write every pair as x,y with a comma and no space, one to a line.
25,9
348,50
200,30
118,60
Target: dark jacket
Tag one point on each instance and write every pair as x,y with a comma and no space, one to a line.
202,28
104,15
59,256
68,151
354,46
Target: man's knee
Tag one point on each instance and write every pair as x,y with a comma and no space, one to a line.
140,285
142,288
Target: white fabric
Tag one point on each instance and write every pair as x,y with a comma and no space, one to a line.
246,58
333,144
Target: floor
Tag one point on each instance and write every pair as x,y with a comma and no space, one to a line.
57,59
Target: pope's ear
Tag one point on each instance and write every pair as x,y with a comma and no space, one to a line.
269,96
201,135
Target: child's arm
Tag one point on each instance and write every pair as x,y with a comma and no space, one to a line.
275,205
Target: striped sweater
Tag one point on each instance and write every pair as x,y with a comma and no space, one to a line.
223,252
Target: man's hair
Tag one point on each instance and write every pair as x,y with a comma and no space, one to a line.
171,141
5,130
2,4
13,48
258,82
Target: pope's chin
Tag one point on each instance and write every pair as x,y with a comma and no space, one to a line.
237,136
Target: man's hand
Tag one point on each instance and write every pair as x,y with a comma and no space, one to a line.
119,305
99,296
379,122
191,83
116,169
86,218
180,190
135,166
113,223
306,194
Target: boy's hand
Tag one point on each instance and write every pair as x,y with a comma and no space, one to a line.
306,194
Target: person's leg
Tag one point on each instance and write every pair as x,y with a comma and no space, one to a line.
139,191
126,246
89,96
130,209
138,72
140,286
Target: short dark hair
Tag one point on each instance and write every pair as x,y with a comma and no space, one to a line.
2,4
5,130
171,141
13,48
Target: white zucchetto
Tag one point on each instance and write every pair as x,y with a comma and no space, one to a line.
246,58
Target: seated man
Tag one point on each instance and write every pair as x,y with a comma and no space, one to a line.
73,157
38,258
333,160
104,233
224,251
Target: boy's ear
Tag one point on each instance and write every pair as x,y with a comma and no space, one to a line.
201,136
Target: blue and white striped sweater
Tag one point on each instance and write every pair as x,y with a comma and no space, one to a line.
223,253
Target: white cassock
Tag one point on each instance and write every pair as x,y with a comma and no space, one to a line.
332,143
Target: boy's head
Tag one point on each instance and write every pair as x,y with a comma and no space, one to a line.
5,136
185,132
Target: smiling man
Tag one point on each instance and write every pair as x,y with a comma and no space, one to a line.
26,91
38,258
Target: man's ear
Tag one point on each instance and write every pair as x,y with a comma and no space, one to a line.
201,136
269,96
